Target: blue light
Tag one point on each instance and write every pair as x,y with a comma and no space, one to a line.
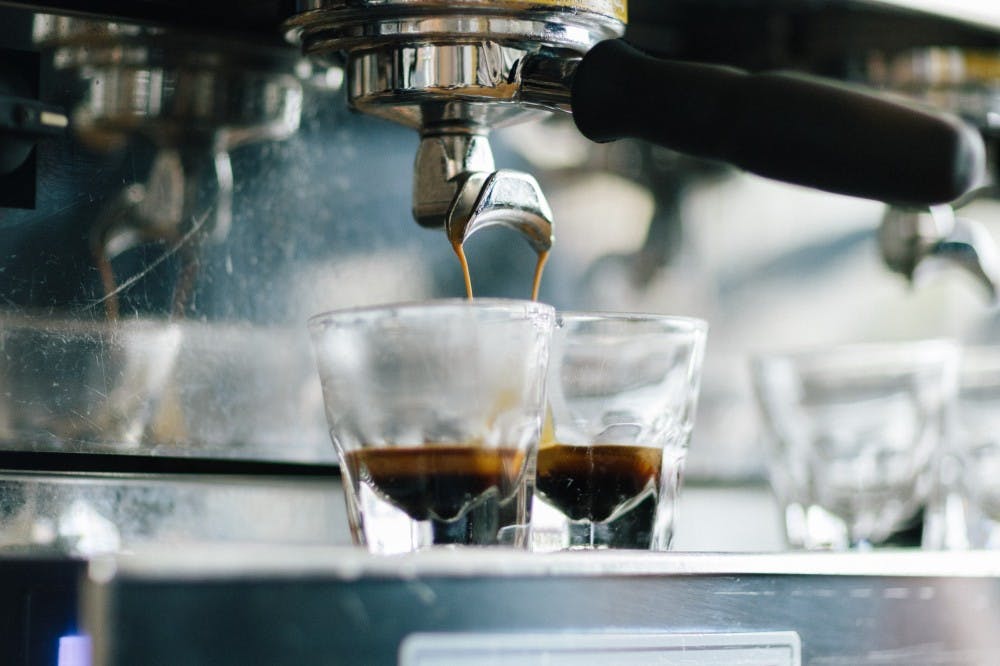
74,650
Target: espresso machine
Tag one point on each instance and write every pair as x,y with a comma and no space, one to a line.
211,174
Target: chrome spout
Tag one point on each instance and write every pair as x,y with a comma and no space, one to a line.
919,240
508,198
456,187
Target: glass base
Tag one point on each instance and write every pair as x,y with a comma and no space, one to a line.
636,528
815,528
981,528
487,521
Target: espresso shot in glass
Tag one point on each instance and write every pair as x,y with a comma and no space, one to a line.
622,395
435,411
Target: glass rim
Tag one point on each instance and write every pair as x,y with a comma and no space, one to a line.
375,312
677,323
849,356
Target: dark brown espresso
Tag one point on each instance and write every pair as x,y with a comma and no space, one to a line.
437,481
592,482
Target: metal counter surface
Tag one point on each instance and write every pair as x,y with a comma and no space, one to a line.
231,604
87,514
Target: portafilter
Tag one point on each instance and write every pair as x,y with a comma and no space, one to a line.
456,69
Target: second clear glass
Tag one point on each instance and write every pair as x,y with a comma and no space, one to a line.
622,395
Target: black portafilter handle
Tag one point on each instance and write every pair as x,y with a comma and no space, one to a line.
791,127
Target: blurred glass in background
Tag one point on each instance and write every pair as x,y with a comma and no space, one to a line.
854,435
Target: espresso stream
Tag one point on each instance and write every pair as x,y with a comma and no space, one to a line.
464,263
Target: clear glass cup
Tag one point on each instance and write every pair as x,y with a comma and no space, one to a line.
435,411
622,394
855,433
970,492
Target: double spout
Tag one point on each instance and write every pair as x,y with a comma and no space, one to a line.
914,239
457,187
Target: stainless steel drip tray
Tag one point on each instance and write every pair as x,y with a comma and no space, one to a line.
298,605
